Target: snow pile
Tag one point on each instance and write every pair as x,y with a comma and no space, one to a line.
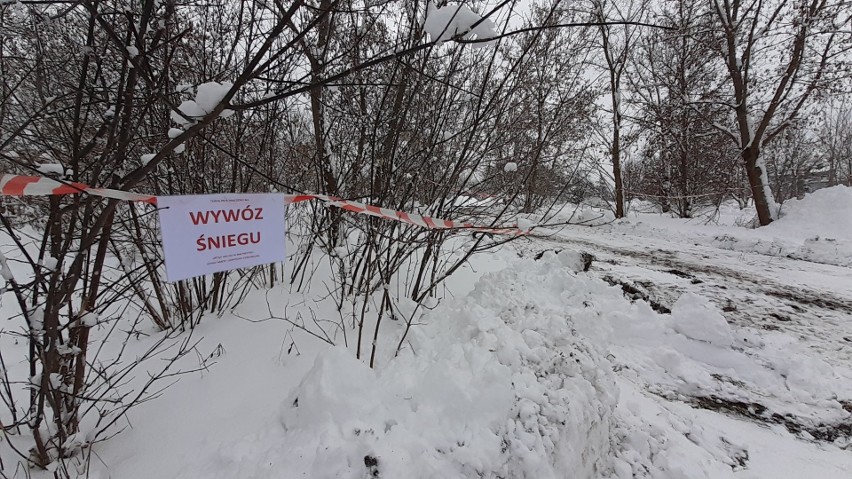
207,98
447,22
499,386
516,380
496,385
826,217
816,228
695,318
438,420
827,212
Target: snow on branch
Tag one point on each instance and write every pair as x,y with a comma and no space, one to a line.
207,98
451,21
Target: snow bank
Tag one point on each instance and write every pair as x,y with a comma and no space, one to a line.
512,382
497,384
500,386
516,379
826,212
439,420
817,228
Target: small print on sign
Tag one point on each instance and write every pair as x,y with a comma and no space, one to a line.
205,234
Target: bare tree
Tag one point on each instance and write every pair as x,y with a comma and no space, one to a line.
687,161
792,161
551,105
778,55
617,43
835,142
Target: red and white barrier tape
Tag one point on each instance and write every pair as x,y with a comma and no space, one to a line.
12,185
410,218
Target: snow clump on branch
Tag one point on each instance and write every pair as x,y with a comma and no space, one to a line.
447,22
207,97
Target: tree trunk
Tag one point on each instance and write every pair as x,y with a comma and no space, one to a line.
616,168
758,189
832,170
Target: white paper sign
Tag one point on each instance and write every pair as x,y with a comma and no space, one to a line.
204,234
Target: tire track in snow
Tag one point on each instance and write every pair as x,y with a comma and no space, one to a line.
820,320
768,286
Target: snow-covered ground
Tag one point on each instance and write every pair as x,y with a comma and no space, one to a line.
674,356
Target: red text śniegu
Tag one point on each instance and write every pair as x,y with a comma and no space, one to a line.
204,243
226,216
